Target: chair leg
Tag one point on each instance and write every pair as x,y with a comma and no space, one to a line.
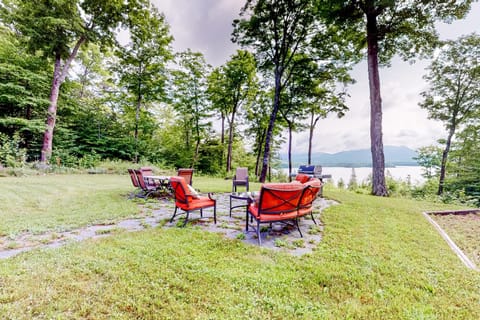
311,214
215,213
174,213
298,227
258,234
201,213
186,219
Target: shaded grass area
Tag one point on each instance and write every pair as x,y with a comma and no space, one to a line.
379,259
464,230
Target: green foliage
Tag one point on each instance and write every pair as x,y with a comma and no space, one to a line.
11,154
276,31
341,184
352,183
403,27
231,89
454,93
141,69
189,99
24,83
430,159
454,78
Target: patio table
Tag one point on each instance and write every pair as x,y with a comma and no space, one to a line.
162,183
245,197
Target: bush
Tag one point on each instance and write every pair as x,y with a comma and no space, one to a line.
11,155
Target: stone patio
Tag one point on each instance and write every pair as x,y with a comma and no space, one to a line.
157,213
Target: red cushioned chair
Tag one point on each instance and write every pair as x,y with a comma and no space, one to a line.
187,200
278,202
133,177
135,183
301,177
148,189
147,171
310,193
187,174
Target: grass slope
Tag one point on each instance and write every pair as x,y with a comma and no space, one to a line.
379,259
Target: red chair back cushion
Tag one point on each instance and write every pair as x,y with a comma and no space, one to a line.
302,177
310,193
277,198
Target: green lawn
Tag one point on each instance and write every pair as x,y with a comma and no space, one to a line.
62,202
379,259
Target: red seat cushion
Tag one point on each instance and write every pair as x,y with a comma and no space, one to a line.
201,202
271,217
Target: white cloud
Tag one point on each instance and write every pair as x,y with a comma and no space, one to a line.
204,26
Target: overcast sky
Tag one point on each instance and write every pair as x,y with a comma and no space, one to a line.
206,25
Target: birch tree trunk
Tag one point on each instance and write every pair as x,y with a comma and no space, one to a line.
271,124
59,75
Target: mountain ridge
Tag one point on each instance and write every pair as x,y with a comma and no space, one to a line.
394,156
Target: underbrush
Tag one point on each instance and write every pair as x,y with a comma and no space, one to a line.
403,188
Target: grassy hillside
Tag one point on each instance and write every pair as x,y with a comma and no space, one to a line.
379,259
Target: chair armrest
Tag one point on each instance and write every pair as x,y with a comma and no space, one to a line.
210,194
252,199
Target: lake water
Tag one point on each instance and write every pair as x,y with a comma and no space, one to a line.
414,173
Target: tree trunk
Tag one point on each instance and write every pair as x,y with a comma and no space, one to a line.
289,151
378,159
271,125
230,141
259,153
51,112
59,74
222,136
313,123
137,117
443,167
197,144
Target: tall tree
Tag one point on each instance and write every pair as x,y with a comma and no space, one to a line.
237,88
189,98
220,103
276,30
295,98
454,93
386,28
59,29
257,118
142,62
315,89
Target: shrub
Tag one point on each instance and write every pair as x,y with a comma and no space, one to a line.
11,155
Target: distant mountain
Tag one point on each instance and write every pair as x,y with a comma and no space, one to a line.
394,156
